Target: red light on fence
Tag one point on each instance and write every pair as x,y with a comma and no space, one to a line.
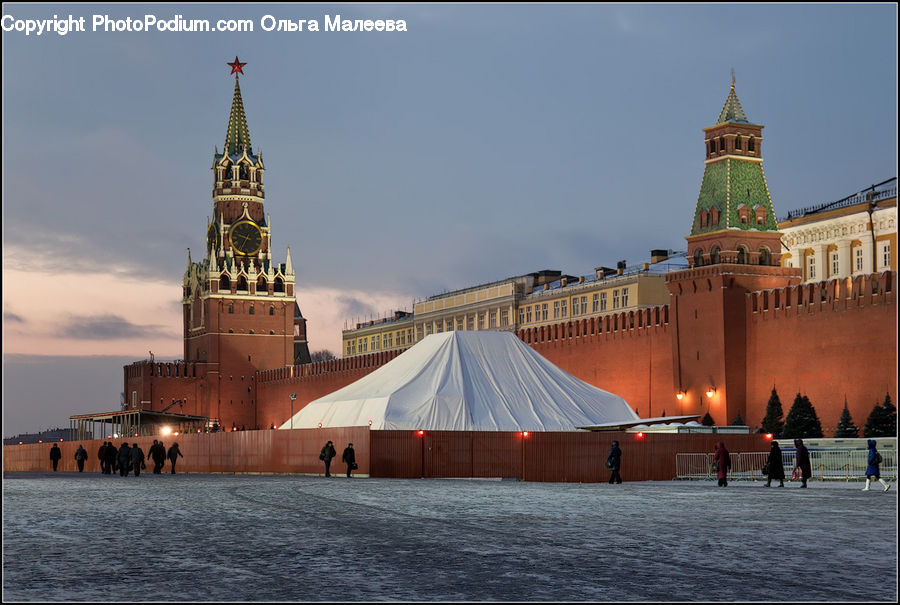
524,434
420,433
60,438
320,425
640,435
769,436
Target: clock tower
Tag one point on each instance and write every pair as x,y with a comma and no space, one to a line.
240,309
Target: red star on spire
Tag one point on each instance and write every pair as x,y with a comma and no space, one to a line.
237,66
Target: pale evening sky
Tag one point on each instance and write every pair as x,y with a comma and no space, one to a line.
484,142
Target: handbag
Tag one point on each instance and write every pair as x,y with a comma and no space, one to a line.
765,469
354,466
321,456
609,463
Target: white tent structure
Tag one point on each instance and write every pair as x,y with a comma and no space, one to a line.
467,381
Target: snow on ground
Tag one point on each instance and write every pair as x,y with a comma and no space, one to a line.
72,537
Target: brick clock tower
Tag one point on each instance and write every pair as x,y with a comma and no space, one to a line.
734,248
240,309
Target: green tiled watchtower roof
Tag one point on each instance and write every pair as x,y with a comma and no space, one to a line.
732,110
238,136
734,179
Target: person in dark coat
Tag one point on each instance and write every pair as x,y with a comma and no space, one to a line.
174,453
328,452
137,459
614,463
349,458
101,455
81,457
803,462
775,466
112,458
158,453
55,455
124,459
873,469
723,463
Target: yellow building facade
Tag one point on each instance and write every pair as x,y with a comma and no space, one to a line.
856,235
524,301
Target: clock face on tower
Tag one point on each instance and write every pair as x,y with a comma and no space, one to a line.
245,238
212,237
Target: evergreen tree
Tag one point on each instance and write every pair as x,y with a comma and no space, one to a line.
774,420
882,421
738,421
708,420
802,420
845,427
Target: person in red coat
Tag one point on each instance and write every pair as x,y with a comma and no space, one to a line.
723,464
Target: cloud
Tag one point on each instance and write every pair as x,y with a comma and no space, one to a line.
110,327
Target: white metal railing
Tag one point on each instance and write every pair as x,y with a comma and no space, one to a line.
827,464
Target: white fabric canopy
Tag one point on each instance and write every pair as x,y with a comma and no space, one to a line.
467,381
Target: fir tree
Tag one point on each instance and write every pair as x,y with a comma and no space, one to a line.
738,421
774,420
882,421
802,420
845,427
708,420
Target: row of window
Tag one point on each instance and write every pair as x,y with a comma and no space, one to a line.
225,284
718,144
250,311
380,342
858,258
244,173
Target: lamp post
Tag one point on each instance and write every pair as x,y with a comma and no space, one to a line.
293,396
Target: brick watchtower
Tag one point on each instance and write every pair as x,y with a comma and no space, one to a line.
734,248
240,310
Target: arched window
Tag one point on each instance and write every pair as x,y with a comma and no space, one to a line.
244,172
279,285
737,142
704,219
224,283
714,256
751,144
261,285
765,257
742,255
242,283
271,310
698,257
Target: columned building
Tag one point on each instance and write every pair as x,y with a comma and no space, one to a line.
856,235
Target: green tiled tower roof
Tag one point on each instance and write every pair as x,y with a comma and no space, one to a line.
729,185
732,111
238,136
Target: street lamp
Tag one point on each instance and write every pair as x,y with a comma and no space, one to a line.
293,396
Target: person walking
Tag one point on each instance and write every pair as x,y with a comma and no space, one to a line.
803,462
328,452
137,459
55,455
349,458
112,458
159,457
614,463
124,459
174,453
873,470
101,455
723,464
81,456
775,466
